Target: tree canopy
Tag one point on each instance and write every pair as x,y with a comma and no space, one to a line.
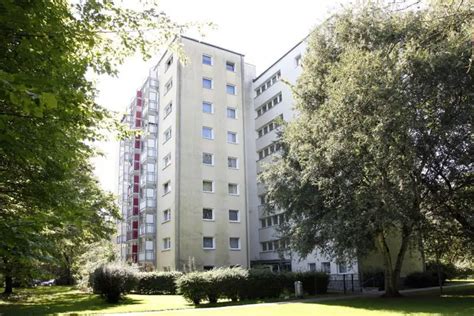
382,144
49,119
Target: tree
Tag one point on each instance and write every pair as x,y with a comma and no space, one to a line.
49,119
382,144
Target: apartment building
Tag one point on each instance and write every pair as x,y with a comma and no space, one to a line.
188,182
199,193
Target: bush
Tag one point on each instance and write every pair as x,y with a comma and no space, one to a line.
262,284
228,282
112,281
422,279
313,282
193,286
157,282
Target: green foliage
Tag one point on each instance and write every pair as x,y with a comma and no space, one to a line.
51,206
423,279
382,144
194,286
157,282
238,283
113,280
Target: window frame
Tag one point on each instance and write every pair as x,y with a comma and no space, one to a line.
207,103
236,163
212,132
211,60
167,184
238,244
213,242
165,165
236,137
238,216
227,63
232,109
210,80
212,219
212,159
236,185
212,186
166,243
165,218
228,85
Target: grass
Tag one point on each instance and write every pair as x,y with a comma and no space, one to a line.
63,299
56,300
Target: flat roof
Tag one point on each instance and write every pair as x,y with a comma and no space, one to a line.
211,45
278,60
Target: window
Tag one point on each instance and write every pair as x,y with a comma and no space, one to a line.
269,104
207,60
234,243
167,188
230,66
166,215
167,135
263,223
207,133
232,162
270,126
167,160
231,89
207,83
267,84
208,243
261,199
233,189
267,151
208,214
312,267
342,267
168,85
232,137
234,216
208,159
264,246
166,243
168,110
169,62
207,107
208,186
231,113
298,60
326,267
208,268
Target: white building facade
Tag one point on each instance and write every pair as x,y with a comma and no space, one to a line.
190,188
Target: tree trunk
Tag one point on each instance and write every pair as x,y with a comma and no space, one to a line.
8,285
440,280
392,273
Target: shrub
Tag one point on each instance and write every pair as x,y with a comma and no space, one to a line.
422,279
229,282
157,282
112,281
313,282
262,284
193,286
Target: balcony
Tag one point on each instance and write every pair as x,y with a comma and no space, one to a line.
147,229
121,239
148,180
132,234
148,255
149,155
148,204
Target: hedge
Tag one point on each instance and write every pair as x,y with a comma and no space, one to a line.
422,279
157,282
238,283
112,281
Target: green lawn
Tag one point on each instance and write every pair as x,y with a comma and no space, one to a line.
54,300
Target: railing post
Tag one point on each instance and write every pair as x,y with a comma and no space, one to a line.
352,282
344,283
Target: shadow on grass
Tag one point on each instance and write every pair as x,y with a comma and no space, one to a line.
55,300
456,301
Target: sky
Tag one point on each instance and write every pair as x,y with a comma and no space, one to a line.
262,30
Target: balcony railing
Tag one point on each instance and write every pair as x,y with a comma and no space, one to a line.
147,229
121,239
148,255
148,179
133,234
148,204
